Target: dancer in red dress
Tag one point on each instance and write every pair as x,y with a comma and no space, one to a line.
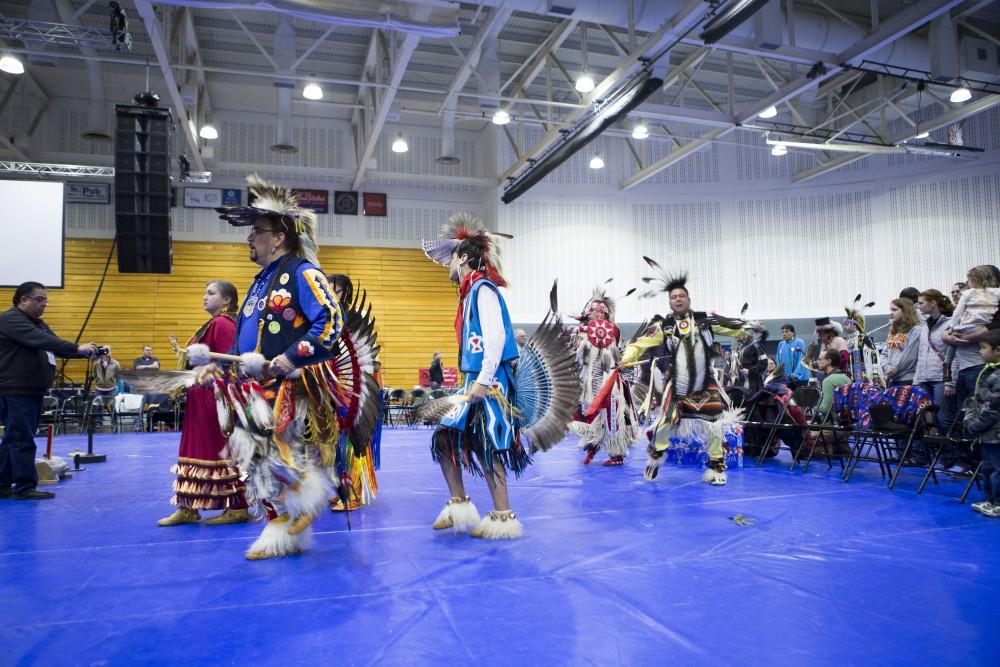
206,480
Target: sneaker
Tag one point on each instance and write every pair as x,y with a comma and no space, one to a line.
983,507
993,511
33,494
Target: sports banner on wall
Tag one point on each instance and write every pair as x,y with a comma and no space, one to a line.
88,193
345,202
376,203
231,196
317,201
202,197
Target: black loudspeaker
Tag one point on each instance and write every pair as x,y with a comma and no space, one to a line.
142,189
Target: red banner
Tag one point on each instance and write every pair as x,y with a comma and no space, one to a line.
376,203
317,201
450,377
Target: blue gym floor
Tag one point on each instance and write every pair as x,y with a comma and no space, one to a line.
612,570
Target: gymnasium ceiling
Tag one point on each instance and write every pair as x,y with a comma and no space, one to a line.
523,55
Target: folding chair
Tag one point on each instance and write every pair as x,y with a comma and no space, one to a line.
396,406
128,406
783,422
418,396
938,444
903,408
100,412
159,408
50,413
73,411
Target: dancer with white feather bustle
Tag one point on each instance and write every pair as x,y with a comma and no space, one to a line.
500,418
287,329
693,407
606,419
207,480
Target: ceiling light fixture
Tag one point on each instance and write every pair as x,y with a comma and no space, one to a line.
640,131
922,135
11,65
843,148
208,131
778,150
312,91
585,83
596,162
769,112
960,95
400,145
501,117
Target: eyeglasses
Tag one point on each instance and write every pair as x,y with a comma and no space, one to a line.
254,231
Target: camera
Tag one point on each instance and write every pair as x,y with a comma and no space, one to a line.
103,349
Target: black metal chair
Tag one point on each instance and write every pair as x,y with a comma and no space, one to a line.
50,414
101,412
72,412
159,409
418,396
759,421
397,406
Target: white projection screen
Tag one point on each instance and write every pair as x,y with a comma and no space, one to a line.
33,249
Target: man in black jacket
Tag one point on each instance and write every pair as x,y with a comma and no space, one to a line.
28,351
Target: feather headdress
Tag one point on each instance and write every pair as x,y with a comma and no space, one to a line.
855,313
461,227
279,204
600,295
663,281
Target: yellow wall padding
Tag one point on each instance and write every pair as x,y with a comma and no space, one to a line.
414,302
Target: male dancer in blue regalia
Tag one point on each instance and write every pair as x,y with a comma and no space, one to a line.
479,433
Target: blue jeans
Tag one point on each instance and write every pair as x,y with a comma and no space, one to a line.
965,385
946,405
17,450
991,471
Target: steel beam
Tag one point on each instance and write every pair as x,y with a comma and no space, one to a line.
685,18
155,32
403,55
891,29
532,67
498,17
947,118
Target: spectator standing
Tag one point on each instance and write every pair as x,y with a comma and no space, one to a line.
436,371
932,373
28,351
968,363
521,338
982,420
106,374
903,344
791,352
